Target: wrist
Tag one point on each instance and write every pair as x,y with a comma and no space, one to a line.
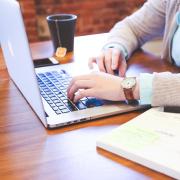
118,46
130,87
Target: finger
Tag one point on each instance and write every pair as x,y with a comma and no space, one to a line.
116,58
108,61
80,77
100,62
83,93
122,67
91,61
76,78
80,84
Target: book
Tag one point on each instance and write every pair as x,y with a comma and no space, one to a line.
151,139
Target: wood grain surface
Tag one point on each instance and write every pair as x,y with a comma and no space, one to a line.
29,151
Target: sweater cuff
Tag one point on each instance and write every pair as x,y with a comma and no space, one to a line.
146,88
117,46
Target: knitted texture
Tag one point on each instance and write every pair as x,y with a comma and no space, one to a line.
166,89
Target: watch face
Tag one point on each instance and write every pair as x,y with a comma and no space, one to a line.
128,82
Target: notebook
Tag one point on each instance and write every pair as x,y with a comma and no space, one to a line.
44,88
151,139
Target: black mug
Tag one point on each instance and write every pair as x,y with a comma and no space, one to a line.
62,30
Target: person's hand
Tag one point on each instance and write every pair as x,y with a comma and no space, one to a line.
96,84
110,60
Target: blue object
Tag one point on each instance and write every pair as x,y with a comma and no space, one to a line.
176,42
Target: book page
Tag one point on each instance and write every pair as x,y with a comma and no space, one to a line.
154,136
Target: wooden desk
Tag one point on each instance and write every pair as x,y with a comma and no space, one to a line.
29,151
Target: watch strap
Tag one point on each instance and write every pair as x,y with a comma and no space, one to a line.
128,85
129,94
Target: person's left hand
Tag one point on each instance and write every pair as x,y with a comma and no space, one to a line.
111,61
96,84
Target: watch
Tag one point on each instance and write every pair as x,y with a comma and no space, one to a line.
128,84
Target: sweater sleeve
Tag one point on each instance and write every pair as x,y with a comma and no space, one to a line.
166,89
146,23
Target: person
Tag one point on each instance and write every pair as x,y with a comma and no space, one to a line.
154,19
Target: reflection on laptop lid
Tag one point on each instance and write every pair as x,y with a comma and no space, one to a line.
17,55
45,88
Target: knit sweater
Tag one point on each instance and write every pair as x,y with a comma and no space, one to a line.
155,19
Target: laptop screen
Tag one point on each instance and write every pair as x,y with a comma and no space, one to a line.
17,54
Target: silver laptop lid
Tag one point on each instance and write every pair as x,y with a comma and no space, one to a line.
14,42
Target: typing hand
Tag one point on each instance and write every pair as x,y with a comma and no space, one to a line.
96,84
110,60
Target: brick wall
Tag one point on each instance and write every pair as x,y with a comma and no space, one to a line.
28,8
94,16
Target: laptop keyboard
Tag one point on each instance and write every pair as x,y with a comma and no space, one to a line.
53,87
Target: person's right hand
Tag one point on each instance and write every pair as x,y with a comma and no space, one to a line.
96,84
110,60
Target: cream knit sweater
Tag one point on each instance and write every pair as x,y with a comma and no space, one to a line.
155,19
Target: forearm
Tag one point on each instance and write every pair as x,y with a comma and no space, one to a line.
166,89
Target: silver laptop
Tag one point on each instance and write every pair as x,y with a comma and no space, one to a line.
44,88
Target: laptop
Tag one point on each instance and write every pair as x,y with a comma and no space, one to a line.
44,88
